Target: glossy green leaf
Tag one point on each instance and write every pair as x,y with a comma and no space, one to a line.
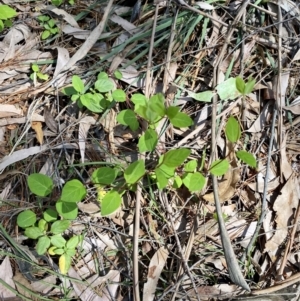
104,175
246,157
42,245
45,34
190,166
110,203
161,179
177,182
119,95
40,184
157,104
73,242
139,99
240,85
219,167
118,74
178,119
73,191
148,141
176,157
50,215
26,219
33,232
60,226
194,181
67,210
77,83
95,102
58,241
134,171
128,117
205,96
104,85
232,129
6,12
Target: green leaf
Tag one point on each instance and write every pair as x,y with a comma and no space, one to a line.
1,25
50,215
33,232
64,263
240,85
232,129
151,116
148,141
177,118
73,191
104,175
26,219
205,96
45,34
246,157
8,24
43,225
67,210
249,86
71,252
194,181
219,167
58,251
73,242
42,76
60,226
56,2
177,182
139,99
228,90
141,111
176,157
95,102
119,95
40,184
110,203
118,74
128,117
102,75
58,241
157,104
167,171
190,166
77,83
134,171
35,68
43,18
7,12
51,23
162,181
104,85
42,245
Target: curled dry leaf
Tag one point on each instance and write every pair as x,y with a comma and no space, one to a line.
37,127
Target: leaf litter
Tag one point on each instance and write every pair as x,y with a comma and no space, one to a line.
41,131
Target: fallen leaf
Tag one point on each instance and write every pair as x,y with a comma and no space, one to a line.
6,275
156,265
37,127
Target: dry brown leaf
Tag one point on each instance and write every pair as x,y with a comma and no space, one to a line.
6,275
156,265
283,205
37,127
10,110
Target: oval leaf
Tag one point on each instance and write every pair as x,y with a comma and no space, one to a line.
77,83
128,117
60,226
26,219
104,175
194,181
42,245
73,191
219,167
58,241
246,157
110,203
148,141
119,95
232,129
64,263
40,184
176,157
33,232
134,172
67,210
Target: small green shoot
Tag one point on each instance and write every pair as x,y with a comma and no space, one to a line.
6,13
49,26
